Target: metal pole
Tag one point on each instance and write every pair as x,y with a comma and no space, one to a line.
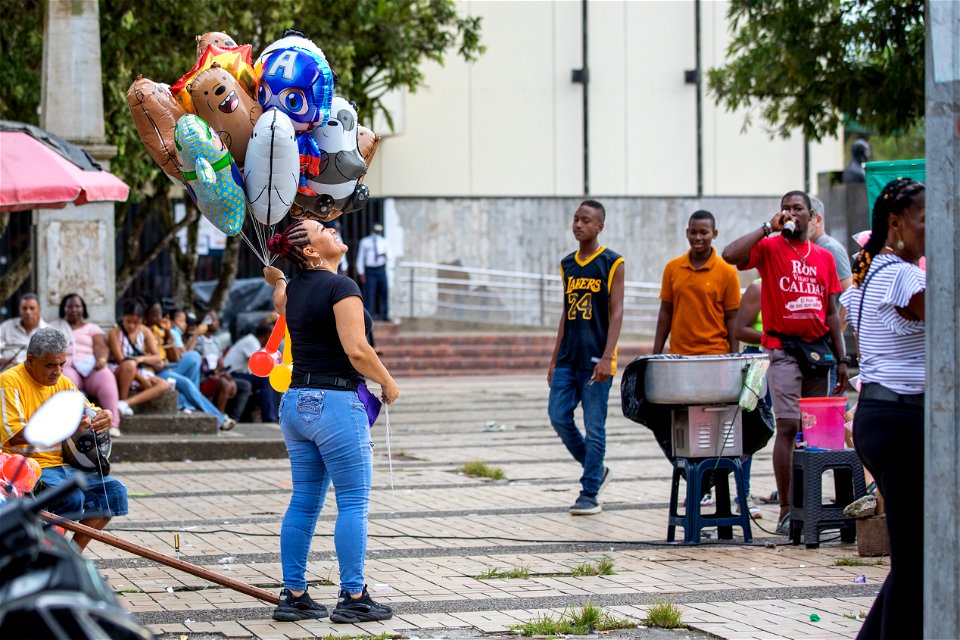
412,288
586,99
156,556
941,544
699,102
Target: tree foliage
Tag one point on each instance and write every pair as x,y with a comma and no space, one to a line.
375,46
805,63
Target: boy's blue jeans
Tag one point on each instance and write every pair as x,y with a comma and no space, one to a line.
328,439
568,388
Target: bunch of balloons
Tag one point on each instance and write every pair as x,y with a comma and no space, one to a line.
257,136
18,471
268,362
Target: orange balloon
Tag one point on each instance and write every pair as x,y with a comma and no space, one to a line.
19,473
236,60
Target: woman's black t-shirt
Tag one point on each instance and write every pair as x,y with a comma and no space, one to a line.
313,326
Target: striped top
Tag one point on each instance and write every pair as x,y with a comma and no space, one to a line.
892,351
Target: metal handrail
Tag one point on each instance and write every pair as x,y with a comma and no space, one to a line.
425,289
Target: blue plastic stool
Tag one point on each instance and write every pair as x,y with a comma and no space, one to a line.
723,519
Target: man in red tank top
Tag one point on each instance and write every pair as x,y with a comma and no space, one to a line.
798,299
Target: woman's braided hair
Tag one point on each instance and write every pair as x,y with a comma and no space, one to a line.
290,243
897,196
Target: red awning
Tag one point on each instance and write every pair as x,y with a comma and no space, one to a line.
35,176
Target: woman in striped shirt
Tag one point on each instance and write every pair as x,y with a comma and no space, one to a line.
886,309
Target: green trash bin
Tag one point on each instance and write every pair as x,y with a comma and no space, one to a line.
880,173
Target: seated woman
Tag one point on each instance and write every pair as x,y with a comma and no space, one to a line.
133,353
132,340
87,357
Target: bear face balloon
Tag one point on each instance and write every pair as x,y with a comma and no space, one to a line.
337,185
155,113
223,104
299,82
217,38
213,179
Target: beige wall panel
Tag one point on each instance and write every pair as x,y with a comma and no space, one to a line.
661,109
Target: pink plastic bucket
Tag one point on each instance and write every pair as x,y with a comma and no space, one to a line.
821,420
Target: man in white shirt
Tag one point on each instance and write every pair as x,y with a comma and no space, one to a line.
372,271
237,360
15,333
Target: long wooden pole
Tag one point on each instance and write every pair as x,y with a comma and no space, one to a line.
156,556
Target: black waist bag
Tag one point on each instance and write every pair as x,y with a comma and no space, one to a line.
814,358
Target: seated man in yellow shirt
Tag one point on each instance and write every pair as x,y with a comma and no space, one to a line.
23,389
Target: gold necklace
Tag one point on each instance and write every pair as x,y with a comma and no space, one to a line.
803,258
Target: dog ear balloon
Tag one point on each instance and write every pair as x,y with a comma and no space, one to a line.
155,113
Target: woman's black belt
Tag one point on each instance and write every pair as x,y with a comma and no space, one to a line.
315,381
876,391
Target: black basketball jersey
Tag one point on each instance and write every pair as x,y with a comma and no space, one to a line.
586,308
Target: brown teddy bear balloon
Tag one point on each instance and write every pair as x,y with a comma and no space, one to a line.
155,113
223,104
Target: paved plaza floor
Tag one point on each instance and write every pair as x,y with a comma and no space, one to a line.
434,533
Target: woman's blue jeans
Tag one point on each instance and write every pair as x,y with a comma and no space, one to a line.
568,388
328,439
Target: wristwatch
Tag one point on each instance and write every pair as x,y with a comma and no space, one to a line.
767,228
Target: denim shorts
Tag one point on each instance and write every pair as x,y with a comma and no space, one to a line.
104,496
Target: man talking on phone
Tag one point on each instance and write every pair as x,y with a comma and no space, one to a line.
23,389
798,304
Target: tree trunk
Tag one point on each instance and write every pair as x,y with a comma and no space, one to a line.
185,262
228,273
17,273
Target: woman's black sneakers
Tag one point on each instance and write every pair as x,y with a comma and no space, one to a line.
362,609
293,608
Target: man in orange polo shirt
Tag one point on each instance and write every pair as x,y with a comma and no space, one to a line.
699,297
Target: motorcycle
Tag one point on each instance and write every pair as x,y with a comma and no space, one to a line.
47,590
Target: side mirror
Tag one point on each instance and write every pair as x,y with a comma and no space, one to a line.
56,420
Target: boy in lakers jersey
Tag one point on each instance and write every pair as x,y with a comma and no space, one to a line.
585,355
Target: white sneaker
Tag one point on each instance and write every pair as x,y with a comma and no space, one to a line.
228,424
125,409
707,500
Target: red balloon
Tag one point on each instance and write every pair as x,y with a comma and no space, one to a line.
262,362
19,473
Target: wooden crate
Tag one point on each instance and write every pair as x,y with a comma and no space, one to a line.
872,537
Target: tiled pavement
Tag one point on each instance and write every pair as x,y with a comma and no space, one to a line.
432,531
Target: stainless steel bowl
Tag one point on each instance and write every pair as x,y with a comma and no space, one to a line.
697,379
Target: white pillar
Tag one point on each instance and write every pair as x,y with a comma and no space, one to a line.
941,593
75,246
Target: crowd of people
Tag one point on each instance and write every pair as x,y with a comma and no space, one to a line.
147,352
793,310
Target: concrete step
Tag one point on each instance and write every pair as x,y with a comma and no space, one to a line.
164,405
244,442
161,424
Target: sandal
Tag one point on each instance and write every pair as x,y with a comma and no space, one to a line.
774,498
783,528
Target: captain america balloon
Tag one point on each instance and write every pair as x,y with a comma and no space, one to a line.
299,83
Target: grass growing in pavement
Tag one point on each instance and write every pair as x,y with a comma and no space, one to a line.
520,571
573,622
856,616
664,614
858,562
602,567
383,636
478,469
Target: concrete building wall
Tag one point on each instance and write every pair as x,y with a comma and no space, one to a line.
511,123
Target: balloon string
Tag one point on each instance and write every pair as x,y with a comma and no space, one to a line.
386,408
